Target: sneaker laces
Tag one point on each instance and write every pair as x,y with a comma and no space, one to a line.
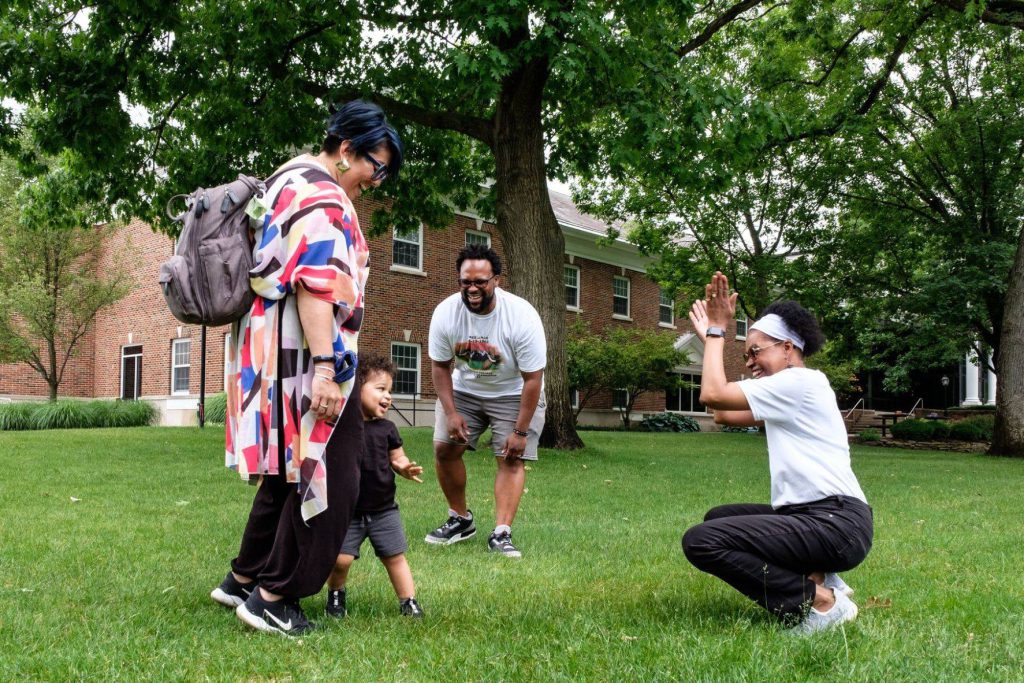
452,522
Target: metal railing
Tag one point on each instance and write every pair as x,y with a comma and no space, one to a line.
920,403
415,398
859,403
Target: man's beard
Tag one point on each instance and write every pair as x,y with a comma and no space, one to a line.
485,301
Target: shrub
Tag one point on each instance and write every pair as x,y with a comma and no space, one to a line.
16,416
135,413
913,430
740,430
61,415
977,428
217,408
869,435
940,430
669,422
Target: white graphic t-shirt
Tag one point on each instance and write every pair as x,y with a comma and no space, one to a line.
490,351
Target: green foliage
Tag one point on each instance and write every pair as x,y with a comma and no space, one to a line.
870,435
940,429
63,414
72,414
669,422
16,416
913,430
976,428
217,408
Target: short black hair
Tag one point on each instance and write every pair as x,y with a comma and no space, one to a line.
366,128
478,252
801,321
370,363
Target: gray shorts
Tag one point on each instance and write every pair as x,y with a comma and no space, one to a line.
497,413
384,529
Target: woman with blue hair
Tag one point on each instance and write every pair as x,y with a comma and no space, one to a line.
784,556
291,370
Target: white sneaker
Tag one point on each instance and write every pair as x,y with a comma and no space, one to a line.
836,583
843,611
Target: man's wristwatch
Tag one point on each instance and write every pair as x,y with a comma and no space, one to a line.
715,332
323,358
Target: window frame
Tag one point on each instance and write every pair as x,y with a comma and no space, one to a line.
396,237
478,233
671,306
628,297
745,321
617,391
137,379
694,395
418,369
567,267
175,366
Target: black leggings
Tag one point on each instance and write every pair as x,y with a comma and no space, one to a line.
766,554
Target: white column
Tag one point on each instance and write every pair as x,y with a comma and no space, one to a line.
971,381
990,398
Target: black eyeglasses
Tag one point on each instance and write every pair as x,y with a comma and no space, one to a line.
475,283
380,171
755,349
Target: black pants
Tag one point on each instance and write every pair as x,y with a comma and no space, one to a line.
291,557
766,554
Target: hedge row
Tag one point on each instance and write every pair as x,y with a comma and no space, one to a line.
67,414
977,428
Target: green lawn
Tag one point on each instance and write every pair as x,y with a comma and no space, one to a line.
110,541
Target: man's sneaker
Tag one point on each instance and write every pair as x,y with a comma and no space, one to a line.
836,583
282,616
454,530
336,603
843,611
502,543
410,608
231,592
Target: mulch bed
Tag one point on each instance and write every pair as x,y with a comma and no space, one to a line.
952,446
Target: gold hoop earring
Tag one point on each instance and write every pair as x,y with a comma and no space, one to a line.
343,165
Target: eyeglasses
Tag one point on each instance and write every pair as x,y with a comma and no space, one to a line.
755,349
475,283
380,171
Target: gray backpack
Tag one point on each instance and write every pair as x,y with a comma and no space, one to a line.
206,282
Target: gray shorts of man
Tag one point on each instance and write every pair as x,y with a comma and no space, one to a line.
384,529
497,413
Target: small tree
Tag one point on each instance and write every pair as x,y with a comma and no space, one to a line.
633,361
51,282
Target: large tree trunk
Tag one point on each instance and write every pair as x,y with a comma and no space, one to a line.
1008,438
534,245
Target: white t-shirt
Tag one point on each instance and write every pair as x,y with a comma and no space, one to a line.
808,452
491,350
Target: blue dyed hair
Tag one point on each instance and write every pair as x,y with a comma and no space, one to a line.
366,128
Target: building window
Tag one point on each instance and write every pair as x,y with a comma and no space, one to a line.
574,399
619,398
666,308
180,361
477,237
620,296
406,358
407,249
685,399
572,287
131,372
741,326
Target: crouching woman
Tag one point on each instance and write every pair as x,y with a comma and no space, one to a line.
785,556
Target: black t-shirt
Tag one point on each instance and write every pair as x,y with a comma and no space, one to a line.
377,479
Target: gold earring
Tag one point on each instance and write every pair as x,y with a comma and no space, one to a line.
343,165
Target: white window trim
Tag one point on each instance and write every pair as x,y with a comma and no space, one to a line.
672,323
746,322
175,366
120,392
629,299
419,365
579,288
696,413
623,389
574,398
479,233
400,268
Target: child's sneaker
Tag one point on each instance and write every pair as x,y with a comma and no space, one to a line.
336,603
836,583
843,611
231,592
281,616
454,530
410,608
502,543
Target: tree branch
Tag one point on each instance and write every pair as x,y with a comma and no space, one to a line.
999,12
717,25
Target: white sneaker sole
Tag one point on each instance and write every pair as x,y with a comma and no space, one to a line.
515,554
227,600
258,623
432,540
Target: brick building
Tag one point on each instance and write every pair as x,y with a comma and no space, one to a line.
136,349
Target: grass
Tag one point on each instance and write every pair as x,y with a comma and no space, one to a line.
110,541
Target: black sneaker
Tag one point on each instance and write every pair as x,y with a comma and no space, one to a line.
282,616
231,592
410,608
454,530
502,543
336,603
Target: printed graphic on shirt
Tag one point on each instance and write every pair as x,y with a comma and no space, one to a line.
479,356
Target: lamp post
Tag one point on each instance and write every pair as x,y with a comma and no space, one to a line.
945,389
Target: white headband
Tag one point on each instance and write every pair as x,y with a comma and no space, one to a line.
774,326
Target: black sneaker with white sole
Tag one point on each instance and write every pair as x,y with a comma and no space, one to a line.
501,543
410,608
231,592
336,603
281,616
454,530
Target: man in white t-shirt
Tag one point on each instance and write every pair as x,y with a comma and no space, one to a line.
495,341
